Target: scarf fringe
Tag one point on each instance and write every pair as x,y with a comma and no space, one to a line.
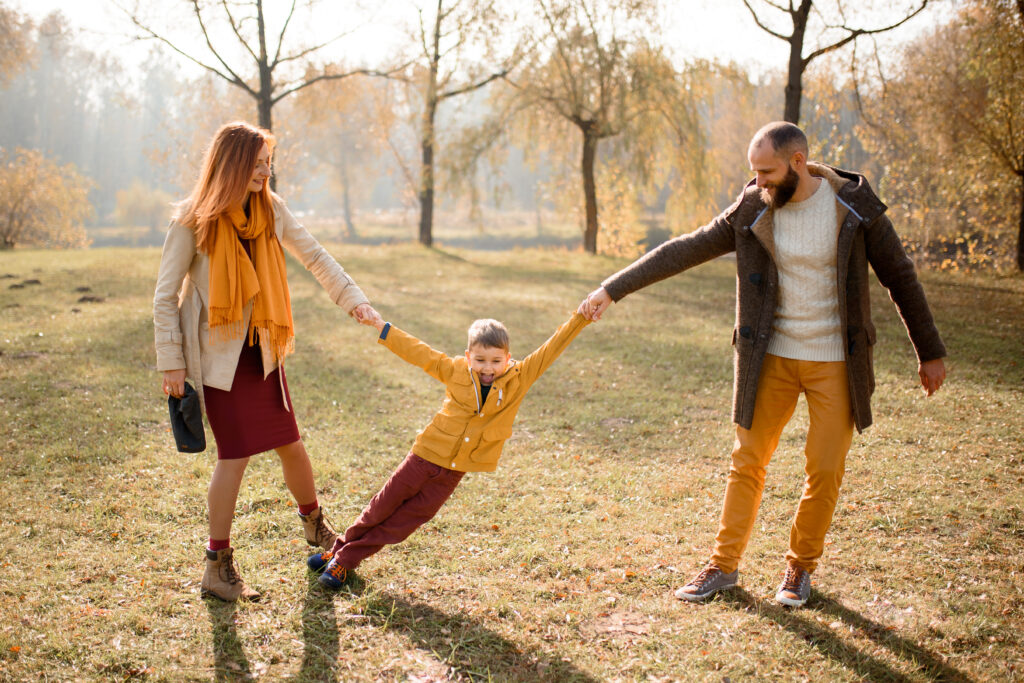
278,337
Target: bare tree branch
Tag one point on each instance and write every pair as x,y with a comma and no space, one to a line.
856,33
303,53
472,86
757,20
280,37
236,29
209,44
335,77
233,78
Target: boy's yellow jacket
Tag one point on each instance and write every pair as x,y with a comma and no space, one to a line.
465,435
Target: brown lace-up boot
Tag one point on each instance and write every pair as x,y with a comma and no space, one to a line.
222,580
318,530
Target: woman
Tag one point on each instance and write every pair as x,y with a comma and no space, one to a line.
222,317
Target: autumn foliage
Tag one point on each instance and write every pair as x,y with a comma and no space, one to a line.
41,202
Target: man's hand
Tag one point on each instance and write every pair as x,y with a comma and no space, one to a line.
595,304
174,383
367,315
932,374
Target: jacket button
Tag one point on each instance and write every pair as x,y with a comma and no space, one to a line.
746,332
467,439
755,278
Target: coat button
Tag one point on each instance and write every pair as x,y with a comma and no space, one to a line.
467,439
755,278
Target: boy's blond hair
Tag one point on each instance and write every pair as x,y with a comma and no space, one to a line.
488,333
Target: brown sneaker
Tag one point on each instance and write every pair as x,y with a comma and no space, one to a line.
795,588
222,580
318,530
709,581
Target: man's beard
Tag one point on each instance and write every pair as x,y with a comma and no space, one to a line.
784,190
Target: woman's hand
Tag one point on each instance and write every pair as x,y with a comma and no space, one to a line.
174,383
367,315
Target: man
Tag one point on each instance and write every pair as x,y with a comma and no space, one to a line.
804,234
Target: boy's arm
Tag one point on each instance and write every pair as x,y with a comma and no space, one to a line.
412,350
540,360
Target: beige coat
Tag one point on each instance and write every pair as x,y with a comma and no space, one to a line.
181,329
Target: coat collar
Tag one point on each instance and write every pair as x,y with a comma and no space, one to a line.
851,189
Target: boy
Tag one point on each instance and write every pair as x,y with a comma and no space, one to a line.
483,392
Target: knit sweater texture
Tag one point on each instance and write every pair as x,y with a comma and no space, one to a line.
807,325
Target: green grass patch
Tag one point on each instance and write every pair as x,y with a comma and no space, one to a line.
561,565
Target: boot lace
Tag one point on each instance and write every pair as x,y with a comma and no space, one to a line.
337,571
793,578
705,575
231,574
323,532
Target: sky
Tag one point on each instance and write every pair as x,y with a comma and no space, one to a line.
711,29
686,23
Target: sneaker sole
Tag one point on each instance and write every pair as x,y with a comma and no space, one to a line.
701,597
790,602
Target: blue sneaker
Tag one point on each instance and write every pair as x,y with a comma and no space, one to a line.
334,575
318,561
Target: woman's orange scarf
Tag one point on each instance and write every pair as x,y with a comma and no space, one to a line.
235,278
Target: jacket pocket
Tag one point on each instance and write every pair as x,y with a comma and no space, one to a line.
497,433
448,424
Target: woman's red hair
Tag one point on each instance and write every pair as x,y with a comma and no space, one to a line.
224,178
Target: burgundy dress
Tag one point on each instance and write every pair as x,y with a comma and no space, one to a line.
251,418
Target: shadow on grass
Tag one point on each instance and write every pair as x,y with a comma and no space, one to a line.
229,660
466,647
832,647
320,636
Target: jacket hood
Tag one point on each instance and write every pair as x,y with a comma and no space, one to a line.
852,189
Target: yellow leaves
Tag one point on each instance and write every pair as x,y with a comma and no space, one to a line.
42,203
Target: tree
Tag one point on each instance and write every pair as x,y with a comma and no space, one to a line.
957,156
442,71
15,31
267,76
41,202
585,75
344,133
836,34
142,205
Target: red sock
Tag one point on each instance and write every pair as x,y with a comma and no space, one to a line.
219,544
308,507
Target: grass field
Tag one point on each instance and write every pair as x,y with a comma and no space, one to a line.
561,565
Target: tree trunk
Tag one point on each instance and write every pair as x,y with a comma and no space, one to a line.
426,195
346,202
1020,229
795,75
589,191
265,95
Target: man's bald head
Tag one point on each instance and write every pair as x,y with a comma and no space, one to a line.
784,137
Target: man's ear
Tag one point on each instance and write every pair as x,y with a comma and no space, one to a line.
798,160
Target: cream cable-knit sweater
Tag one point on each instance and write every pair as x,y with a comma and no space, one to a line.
807,324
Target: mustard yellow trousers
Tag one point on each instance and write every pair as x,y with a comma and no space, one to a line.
828,440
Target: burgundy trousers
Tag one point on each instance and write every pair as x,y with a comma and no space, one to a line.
410,498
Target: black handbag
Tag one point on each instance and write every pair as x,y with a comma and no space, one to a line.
187,421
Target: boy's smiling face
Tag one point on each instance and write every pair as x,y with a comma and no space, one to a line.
488,362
